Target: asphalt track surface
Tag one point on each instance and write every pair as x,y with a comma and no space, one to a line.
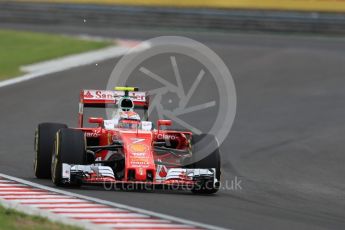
286,145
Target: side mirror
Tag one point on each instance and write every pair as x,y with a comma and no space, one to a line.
96,120
163,123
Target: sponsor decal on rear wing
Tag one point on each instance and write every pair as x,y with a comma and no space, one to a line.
98,98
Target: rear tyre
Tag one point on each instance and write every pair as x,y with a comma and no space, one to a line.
44,142
70,149
205,162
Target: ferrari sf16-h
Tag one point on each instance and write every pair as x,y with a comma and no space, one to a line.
126,149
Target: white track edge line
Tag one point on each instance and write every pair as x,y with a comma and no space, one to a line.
116,205
43,69
62,64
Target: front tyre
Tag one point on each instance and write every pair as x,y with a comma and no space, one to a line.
44,142
70,149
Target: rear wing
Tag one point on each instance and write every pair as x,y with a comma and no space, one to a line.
102,98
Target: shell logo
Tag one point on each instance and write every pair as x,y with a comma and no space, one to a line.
138,148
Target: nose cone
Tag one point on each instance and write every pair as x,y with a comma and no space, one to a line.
139,157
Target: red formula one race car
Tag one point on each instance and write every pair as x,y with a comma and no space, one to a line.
124,150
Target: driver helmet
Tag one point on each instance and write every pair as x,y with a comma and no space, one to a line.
129,120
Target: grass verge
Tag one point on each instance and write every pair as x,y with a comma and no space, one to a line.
13,220
19,48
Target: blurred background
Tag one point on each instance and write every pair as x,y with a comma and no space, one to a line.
301,16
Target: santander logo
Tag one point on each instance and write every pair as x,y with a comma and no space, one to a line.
88,95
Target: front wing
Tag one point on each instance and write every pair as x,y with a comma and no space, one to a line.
179,178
